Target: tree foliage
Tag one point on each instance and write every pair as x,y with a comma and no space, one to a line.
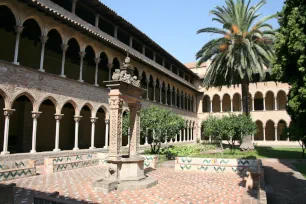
290,64
230,127
243,50
162,125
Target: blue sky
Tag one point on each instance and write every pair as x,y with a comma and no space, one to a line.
173,23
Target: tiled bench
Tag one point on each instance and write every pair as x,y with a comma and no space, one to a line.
150,161
64,163
216,165
17,169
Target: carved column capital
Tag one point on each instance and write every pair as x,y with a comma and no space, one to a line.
58,116
93,119
110,65
116,102
77,118
8,112
106,121
19,29
36,115
82,54
97,60
43,39
64,47
160,86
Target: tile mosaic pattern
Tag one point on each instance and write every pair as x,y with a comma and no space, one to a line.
173,187
17,169
215,165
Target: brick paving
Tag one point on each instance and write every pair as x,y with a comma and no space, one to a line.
173,187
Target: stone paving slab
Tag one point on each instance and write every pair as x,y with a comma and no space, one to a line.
173,187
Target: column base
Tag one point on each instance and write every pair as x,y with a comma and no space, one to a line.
64,76
16,63
42,70
92,148
33,151
76,149
56,150
5,153
97,85
80,80
105,147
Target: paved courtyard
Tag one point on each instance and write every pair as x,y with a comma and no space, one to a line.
173,187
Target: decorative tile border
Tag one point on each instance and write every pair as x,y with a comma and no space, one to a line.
17,169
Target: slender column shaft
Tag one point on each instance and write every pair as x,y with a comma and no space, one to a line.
171,97
180,136
221,106
146,139
82,55
231,105
180,98
134,128
58,118
93,127
76,134
160,94
129,137
211,106
35,115
18,30
73,6
97,61
175,139
264,103
275,132
116,32
175,98
253,104
106,133
110,67
154,91
43,40
148,82
166,95
264,132
97,20
7,114
275,103
64,49
188,134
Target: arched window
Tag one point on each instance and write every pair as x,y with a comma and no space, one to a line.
72,66
53,53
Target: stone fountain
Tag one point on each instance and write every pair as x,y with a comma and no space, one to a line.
124,171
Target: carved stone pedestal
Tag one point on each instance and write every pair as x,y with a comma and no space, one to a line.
124,172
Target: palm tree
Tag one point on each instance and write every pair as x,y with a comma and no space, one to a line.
243,51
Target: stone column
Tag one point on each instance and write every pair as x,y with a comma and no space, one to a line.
144,50
73,6
129,137
154,56
97,61
188,133
43,40
211,106
221,106
148,83
115,138
35,115
185,134
181,97
175,139
264,132
180,136
93,127
97,20
7,115
275,103
166,95
231,105
171,96
160,93
18,30
187,103
116,32
134,128
131,42
64,49
253,104
264,103
76,133
154,90
175,98
58,117
82,55
106,133
110,67
275,132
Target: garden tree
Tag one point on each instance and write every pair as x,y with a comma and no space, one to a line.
229,127
290,64
243,52
162,123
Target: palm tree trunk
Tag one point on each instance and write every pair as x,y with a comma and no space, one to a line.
247,143
245,95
